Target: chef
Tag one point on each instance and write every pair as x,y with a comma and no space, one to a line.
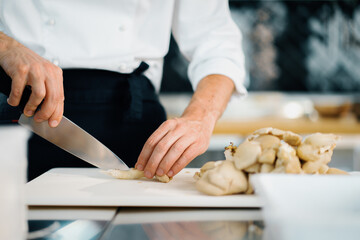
100,64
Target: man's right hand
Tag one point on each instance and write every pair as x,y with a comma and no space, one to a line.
25,67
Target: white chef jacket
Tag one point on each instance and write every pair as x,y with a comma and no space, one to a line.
117,35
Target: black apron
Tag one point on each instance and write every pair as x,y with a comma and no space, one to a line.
120,110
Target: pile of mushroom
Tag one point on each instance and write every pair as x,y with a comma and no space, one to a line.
267,150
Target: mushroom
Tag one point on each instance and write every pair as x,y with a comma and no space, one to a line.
267,150
266,168
289,137
279,166
207,166
133,174
222,180
255,168
287,156
323,169
269,145
246,154
317,146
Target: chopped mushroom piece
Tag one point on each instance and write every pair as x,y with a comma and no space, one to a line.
133,173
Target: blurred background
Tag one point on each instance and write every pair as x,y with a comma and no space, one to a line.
303,64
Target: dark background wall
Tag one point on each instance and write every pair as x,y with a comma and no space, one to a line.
306,46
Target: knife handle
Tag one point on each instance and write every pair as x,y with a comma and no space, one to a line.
5,88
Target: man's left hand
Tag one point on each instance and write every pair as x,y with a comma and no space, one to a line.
173,145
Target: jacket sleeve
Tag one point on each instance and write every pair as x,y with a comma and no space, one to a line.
210,40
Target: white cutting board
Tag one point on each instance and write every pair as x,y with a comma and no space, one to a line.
90,187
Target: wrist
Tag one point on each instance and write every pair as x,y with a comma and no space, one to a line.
199,111
6,42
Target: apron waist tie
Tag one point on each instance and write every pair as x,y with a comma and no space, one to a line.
136,85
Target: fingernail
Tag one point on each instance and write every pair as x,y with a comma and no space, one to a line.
140,167
148,174
29,113
170,173
53,123
160,172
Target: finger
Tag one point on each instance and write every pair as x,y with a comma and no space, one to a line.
151,143
160,150
49,104
189,154
174,153
57,115
38,92
17,87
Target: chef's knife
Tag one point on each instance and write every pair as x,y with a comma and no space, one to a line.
67,135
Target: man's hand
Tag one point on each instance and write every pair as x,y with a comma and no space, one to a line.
173,145
178,141
25,67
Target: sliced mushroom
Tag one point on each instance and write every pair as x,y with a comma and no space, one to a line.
222,180
163,178
246,154
133,174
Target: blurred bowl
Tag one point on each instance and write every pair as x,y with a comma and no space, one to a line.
340,110
332,105
310,206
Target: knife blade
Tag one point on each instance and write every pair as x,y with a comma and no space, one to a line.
73,139
67,135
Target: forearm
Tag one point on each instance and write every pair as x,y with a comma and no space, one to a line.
210,98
